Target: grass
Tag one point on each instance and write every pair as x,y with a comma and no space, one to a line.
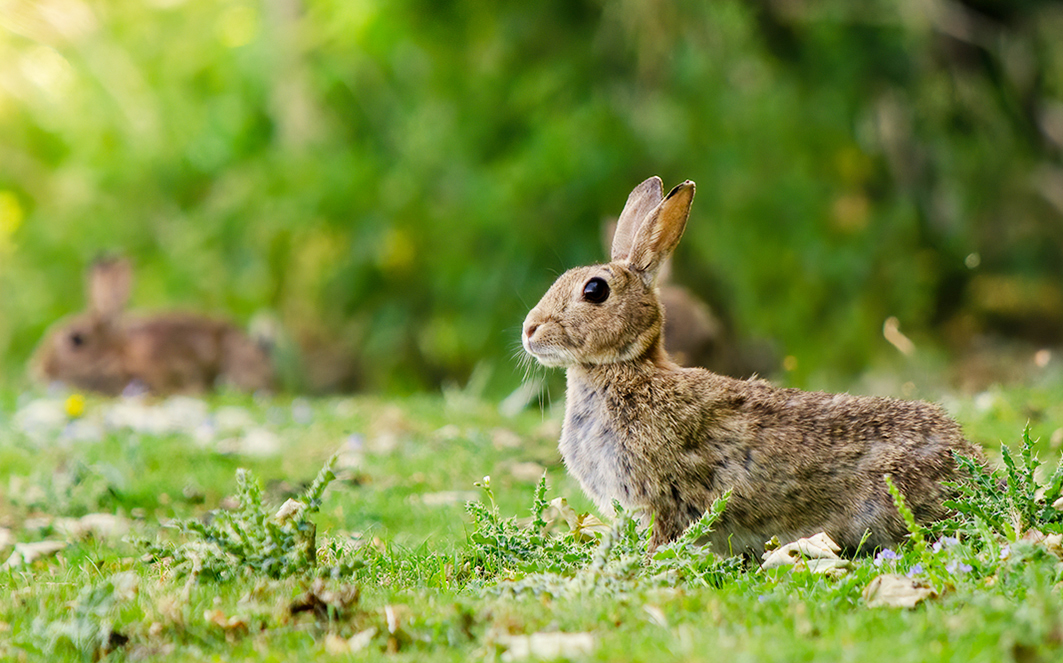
404,571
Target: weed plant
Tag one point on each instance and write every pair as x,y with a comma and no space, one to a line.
1010,501
251,539
539,559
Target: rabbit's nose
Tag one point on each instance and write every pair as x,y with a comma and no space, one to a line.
529,331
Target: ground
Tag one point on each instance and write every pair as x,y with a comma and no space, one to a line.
402,570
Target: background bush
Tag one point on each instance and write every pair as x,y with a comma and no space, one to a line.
400,181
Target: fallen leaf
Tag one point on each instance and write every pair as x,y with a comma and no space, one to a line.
397,635
100,526
1051,542
290,508
447,433
321,600
41,417
546,646
395,614
258,442
503,438
894,591
126,585
817,554
448,497
233,419
583,526
351,454
336,645
387,430
528,472
27,553
228,624
656,615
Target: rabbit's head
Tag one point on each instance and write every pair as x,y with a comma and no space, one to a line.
87,350
611,313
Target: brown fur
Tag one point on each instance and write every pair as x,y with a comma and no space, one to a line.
105,350
667,440
693,335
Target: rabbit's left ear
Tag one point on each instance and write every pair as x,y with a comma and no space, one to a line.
109,283
659,234
643,199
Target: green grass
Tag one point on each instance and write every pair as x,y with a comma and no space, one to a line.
393,527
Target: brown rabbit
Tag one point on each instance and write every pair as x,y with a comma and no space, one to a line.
666,440
106,350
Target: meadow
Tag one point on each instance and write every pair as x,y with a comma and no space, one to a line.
139,529
385,188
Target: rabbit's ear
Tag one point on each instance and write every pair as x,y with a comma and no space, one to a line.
640,203
110,280
658,236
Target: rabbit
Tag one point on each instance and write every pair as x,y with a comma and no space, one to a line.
106,350
665,441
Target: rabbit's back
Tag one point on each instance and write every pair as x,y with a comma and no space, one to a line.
181,352
174,352
814,461
670,441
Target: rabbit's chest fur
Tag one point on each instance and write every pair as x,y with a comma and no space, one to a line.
669,442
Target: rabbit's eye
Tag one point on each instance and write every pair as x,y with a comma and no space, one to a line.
596,291
77,339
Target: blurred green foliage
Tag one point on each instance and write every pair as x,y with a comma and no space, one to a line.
401,181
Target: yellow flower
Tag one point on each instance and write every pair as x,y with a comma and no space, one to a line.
11,216
75,406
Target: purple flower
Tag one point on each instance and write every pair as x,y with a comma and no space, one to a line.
1005,552
945,542
956,566
886,555
917,569
134,389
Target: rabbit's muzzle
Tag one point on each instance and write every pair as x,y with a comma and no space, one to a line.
543,339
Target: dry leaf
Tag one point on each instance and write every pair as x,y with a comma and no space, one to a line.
228,624
100,526
528,472
503,438
336,645
258,442
448,497
895,591
1052,542
361,640
581,525
547,646
321,600
398,638
290,508
27,553
656,615
818,554
387,430
233,419
126,585
7,539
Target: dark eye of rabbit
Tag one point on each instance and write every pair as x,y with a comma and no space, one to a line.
596,291
77,339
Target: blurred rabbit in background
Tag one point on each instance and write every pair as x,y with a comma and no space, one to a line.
106,349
